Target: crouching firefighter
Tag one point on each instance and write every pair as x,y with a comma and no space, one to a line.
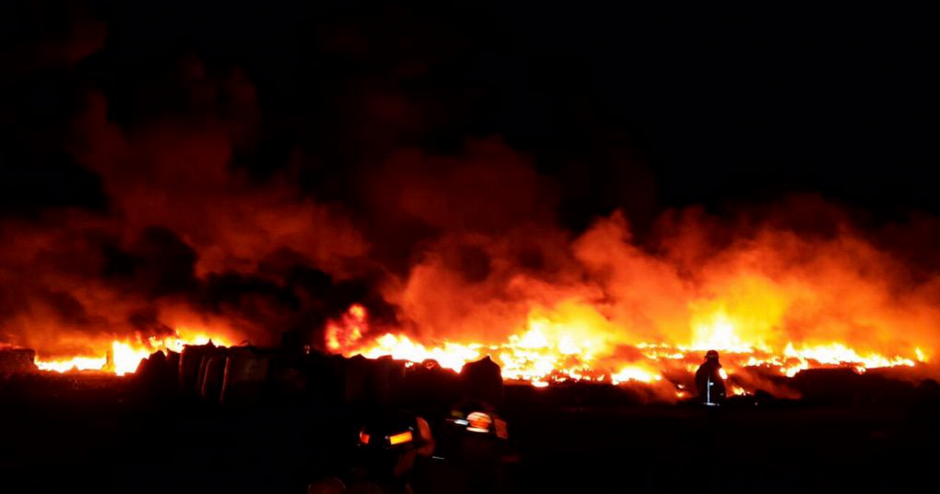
709,380
474,447
386,451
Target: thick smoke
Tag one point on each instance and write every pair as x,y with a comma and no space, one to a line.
777,280
184,240
399,167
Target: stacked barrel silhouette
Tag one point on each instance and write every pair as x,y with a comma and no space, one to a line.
245,376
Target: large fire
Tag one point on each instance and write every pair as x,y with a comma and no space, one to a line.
603,309
554,347
553,308
123,357
571,343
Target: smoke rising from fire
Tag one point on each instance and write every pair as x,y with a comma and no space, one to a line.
186,242
769,283
211,199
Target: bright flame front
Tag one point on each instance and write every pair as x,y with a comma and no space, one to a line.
573,343
123,357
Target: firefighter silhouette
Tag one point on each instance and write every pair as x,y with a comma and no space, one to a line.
387,448
473,444
708,380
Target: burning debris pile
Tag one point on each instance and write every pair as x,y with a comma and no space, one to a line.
547,306
774,304
575,352
376,367
244,376
193,224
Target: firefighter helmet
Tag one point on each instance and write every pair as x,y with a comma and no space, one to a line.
479,417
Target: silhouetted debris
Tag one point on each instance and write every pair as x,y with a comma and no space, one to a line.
839,385
213,373
190,364
351,375
763,398
246,371
430,389
928,392
320,372
156,374
848,386
483,380
290,375
173,366
385,379
17,361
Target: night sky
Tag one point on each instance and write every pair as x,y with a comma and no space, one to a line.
621,107
530,112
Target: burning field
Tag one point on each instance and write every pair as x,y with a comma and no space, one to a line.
227,235
594,307
180,201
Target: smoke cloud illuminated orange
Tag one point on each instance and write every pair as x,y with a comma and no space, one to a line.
451,258
769,299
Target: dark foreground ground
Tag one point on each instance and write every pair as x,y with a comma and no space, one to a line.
104,435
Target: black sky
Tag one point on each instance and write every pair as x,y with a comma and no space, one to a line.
622,107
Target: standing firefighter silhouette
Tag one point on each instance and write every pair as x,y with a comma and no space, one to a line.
709,380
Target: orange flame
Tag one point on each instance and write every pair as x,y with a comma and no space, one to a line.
123,357
573,343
